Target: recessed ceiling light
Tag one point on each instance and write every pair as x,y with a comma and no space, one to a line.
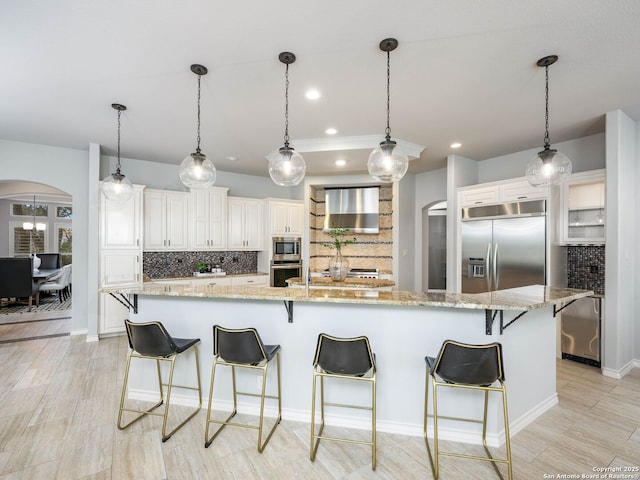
312,94
331,131
455,145
340,162
231,159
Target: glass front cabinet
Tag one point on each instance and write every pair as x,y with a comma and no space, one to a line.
583,213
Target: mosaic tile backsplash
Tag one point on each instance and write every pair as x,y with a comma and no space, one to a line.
183,264
585,267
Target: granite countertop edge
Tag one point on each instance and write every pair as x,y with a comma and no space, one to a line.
517,299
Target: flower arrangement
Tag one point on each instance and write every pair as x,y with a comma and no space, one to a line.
338,241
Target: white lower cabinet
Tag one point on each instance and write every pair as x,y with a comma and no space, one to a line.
112,315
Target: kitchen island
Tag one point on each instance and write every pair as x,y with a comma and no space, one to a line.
403,327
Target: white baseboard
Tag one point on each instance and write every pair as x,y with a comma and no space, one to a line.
618,374
81,331
358,423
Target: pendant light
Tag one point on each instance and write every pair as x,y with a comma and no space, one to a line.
197,171
549,167
386,163
287,167
116,186
39,226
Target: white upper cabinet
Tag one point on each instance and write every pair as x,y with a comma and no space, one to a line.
120,223
165,220
520,191
582,209
286,218
506,191
470,197
245,224
208,219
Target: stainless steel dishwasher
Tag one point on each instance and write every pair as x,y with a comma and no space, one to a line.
581,322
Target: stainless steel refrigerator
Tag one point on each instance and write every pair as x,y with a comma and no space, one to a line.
503,246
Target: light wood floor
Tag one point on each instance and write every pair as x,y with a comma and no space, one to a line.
58,407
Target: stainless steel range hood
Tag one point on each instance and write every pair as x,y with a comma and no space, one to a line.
355,208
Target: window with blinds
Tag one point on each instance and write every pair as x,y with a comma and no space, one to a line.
26,242
64,244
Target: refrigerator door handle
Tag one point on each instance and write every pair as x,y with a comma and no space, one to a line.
496,279
487,270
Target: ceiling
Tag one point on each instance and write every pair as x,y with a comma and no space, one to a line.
464,71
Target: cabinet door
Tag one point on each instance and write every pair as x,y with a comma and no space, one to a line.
218,219
253,225
176,227
154,221
111,315
236,224
279,213
583,213
296,218
120,222
478,196
120,269
199,219
521,191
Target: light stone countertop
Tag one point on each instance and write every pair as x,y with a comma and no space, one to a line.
519,299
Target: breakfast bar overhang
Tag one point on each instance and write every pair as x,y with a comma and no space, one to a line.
403,328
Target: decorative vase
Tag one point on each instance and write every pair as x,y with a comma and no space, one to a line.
338,267
36,262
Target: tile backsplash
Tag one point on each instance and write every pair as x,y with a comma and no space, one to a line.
585,267
183,264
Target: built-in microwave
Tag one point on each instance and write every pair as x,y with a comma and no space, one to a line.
286,249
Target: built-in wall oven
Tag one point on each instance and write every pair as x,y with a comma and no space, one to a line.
280,272
286,249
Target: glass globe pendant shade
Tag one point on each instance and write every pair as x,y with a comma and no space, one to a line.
117,187
386,163
287,167
549,167
197,171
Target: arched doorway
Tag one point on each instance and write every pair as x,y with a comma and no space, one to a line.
36,219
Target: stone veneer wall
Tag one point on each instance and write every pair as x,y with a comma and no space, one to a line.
585,267
369,251
183,264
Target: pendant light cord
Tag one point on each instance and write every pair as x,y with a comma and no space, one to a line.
118,165
547,141
387,131
286,106
198,136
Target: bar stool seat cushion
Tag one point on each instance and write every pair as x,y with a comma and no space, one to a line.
183,344
466,366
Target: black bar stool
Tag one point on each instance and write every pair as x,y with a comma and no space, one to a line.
345,358
476,367
151,341
243,348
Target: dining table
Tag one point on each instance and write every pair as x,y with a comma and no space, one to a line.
44,274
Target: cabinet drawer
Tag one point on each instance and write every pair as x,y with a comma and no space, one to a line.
212,282
478,196
257,280
518,191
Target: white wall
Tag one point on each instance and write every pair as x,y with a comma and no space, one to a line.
66,169
166,177
406,254
586,153
429,187
620,288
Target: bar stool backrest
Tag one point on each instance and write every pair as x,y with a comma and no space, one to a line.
238,345
344,356
150,339
467,364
